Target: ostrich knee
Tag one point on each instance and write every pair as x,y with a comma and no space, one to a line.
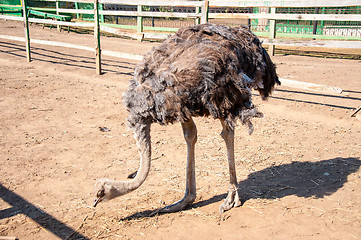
190,132
228,135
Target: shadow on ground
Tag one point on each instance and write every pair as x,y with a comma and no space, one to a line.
82,60
21,206
302,179
325,54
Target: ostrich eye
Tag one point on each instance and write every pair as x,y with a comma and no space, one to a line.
100,193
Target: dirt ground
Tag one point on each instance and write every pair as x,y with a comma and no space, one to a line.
299,172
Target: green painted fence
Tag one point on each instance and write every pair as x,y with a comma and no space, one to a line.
348,30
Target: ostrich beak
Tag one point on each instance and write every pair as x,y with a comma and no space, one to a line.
100,196
96,201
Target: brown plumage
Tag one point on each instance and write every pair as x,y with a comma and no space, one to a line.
203,70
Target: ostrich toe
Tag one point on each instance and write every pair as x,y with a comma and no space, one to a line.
232,200
180,205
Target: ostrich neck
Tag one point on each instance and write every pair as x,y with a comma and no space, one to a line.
142,136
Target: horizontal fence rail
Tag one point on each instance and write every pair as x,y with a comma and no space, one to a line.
154,3
311,17
285,3
229,3
133,13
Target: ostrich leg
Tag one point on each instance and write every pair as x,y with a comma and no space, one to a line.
232,199
190,135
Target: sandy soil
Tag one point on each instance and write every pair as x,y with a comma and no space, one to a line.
299,173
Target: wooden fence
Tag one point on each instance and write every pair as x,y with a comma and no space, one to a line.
273,16
200,15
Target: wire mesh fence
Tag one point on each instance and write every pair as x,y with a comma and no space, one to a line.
173,22
150,21
331,28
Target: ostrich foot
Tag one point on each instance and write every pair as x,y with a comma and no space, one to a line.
180,205
232,200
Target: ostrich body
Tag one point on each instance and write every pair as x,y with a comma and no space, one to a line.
203,70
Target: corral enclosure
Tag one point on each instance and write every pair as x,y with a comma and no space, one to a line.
299,173
265,18
345,29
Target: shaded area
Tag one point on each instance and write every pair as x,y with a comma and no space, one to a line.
322,94
56,57
351,91
302,179
45,220
326,53
316,103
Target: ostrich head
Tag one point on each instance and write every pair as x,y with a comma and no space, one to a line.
269,78
106,189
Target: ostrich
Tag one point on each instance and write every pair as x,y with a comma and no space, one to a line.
202,70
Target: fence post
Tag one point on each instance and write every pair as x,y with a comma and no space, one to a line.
315,22
57,12
140,20
205,8
76,4
101,15
197,20
272,29
97,38
26,29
